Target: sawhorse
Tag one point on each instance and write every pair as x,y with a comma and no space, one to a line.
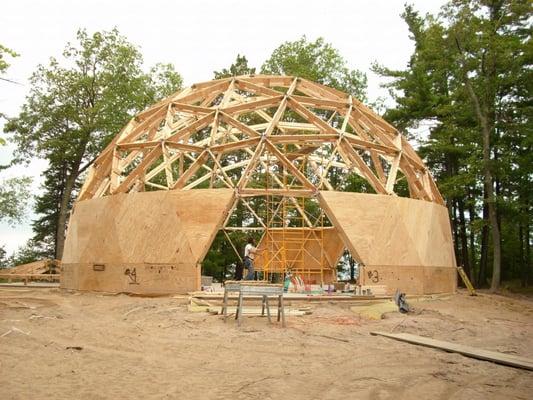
254,288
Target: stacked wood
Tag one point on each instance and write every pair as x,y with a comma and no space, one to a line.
42,270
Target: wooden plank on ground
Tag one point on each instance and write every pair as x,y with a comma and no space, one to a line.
486,355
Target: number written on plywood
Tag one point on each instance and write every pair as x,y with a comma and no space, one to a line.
373,275
132,274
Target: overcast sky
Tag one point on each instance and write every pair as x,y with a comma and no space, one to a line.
198,37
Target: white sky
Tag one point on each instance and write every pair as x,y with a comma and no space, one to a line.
198,37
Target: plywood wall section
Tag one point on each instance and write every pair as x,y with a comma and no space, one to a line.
402,243
162,235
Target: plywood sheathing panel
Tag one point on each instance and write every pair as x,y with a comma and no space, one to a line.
402,243
172,228
132,278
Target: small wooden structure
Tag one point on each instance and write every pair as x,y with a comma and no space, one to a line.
258,153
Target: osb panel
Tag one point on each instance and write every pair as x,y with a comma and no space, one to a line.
402,243
143,229
152,227
409,279
414,280
132,278
387,230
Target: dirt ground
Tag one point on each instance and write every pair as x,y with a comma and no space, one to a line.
60,345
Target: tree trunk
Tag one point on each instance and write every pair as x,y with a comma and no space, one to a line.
485,114
463,237
496,240
528,254
523,265
482,116
472,238
483,258
70,181
455,232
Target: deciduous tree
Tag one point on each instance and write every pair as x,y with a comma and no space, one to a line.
75,106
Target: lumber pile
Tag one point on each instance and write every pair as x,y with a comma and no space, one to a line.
42,270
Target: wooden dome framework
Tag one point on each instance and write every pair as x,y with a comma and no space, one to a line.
261,153
219,133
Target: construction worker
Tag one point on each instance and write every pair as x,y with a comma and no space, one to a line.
250,251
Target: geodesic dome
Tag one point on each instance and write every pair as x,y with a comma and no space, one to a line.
155,198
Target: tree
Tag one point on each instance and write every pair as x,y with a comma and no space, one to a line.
4,261
14,199
74,108
29,252
240,67
469,78
4,65
317,61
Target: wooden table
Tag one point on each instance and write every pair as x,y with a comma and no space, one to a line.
254,288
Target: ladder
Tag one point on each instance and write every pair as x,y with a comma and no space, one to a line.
466,281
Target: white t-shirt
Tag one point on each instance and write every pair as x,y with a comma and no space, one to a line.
249,250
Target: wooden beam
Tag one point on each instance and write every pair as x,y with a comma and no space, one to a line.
195,166
367,172
227,179
168,169
145,163
251,165
393,172
191,109
246,85
289,165
238,125
468,351
276,192
196,126
253,105
231,146
322,103
304,139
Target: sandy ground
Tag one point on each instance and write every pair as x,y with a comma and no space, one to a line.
60,345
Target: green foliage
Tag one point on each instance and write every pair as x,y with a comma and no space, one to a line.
163,80
75,106
31,251
4,261
14,199
239,67
4,51
4,65
317,61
